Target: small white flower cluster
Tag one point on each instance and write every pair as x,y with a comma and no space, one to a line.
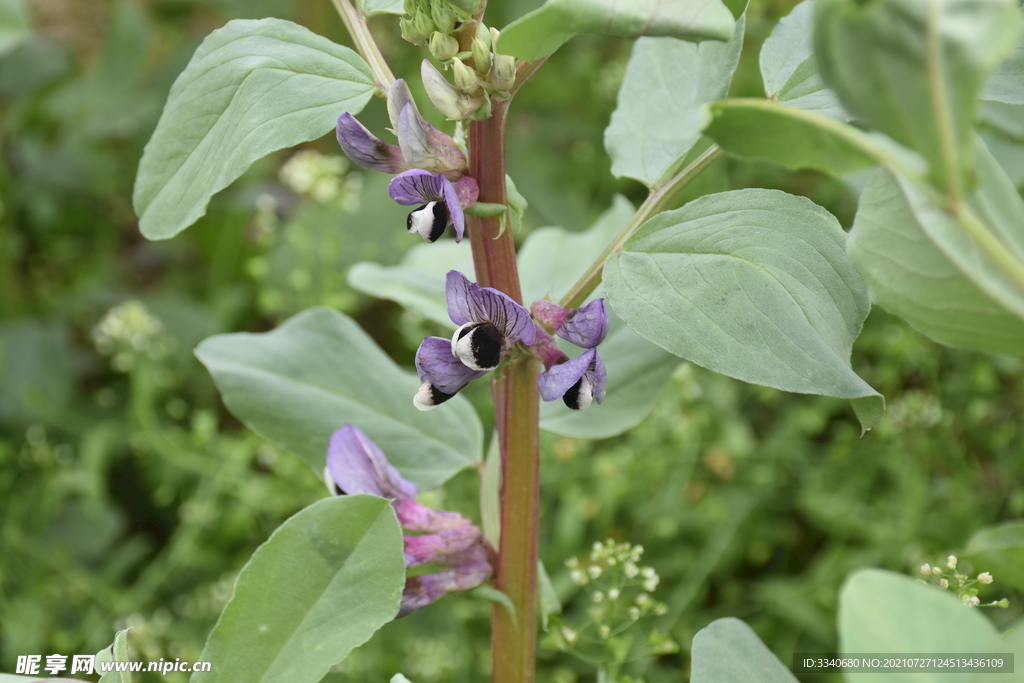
129,329
620,591
962,584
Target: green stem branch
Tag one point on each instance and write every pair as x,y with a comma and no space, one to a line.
656,201
516,401
355,22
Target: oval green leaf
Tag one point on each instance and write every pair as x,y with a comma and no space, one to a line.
754,284
882,611
115,652
911,277
322,584
661,108
299,383
547,28
790,71
728,651
252,87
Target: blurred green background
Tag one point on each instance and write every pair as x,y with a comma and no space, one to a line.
130,497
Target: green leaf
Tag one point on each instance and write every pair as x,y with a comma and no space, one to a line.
548,599
881,611
547,28
754,284
1007,83
637,374
911,277
115,652
373,7
790,71
728,651
491,594
661,108
322,584
299,383
914,70
418,281
984,239
1000,551
791,137
553,259
490,494
252,87
14,25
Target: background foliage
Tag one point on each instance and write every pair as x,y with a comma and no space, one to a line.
130,496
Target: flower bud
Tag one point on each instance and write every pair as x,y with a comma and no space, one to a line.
926,569
503,72
410,32
444,17
449,101
951,562
481,56
465,78
495,34
443,47
985,577
483,34
424,26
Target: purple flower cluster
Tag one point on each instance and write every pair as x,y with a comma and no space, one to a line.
491,325
356,465
430,166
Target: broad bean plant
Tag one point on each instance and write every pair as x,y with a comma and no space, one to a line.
578,332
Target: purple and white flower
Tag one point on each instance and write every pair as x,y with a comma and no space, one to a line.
430,165
356,465
490,324
580,381
441,202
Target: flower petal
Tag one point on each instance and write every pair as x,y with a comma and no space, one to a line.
426,147
473,569
451,198
468,302
559,379
440,547
362,147
399,95
357,465
413,516
438,367
545,348
416,186
586,326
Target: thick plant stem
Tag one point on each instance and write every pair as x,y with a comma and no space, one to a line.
516,397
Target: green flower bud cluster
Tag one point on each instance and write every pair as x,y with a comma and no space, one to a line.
479,74
427,23
619,597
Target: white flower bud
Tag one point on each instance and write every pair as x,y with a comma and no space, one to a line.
985,577
642,599
449,101
569,635
594,571
634,613
936,571
578,577
951,562
974,601
503,72
926,568
944,583
613,594
605,631
630,570
597,596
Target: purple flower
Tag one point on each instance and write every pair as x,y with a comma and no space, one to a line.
586,326
578,382
420,145
356,465
441,202
468,570
490,325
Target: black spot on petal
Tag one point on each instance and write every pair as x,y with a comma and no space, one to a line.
486,345
437,397
440,221
571,398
